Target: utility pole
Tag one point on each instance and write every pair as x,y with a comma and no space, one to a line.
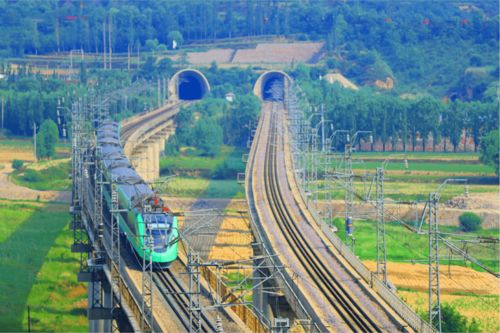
164,90
110,45
128,58
159,92
3,105
147,277
104,43
434,285
349,190
34,140
381,248
322,127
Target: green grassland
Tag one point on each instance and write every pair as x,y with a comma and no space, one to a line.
196,187
438,156
402,245
407,191
188,162
451,167
24,143
204,177
37,269
53,177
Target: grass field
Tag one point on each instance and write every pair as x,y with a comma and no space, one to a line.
26,143
403,245
37,269
44,176
482,308
184,164
438,156
197,187
446,167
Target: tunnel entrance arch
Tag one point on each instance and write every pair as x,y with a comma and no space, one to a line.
271,85
188,85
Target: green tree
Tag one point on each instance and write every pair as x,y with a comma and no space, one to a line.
174,36
489,150
469,222
452,321
83,73
339,31
208,136
17,164
46,139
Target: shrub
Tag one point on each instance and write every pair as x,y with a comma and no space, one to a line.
228,170
453,321
31,176
469,222
17,164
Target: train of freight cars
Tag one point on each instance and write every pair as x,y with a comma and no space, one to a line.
144,219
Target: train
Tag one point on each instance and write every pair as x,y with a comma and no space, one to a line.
144,219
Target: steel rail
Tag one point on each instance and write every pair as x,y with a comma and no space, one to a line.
177,297
347,308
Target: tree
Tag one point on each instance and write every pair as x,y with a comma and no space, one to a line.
83,73
17,164
46,139
453,321
489,150
174,36
469,222
208,136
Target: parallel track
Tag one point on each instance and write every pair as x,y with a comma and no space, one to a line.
354,316
129,129
178,299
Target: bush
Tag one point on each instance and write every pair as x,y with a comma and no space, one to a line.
470,222
228,170
453,321
31,176
17,164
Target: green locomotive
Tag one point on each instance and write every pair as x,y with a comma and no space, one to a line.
147,223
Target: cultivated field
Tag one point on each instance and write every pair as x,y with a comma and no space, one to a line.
38,270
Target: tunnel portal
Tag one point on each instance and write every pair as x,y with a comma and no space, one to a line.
271,85
188,85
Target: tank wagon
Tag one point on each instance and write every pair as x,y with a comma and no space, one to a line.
144,219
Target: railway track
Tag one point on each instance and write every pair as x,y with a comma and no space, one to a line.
128,129
348,309
177,297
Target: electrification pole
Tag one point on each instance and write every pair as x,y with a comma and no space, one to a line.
434,286
381,249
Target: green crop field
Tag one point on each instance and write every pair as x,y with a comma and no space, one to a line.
191,187
54,177
185,164
37,269
403,245
438,156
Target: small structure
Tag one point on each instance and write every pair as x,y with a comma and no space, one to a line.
230,97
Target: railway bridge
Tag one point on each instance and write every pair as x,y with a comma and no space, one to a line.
317,283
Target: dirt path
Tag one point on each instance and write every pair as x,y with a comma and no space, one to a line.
9,190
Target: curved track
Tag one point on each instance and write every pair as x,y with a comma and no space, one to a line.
349,309
128,129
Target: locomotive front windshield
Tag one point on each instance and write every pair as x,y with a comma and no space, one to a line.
159,228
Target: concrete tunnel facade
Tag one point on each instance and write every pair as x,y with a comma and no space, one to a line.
188,85
265,81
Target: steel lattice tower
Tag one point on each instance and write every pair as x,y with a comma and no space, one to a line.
434,286
381,248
